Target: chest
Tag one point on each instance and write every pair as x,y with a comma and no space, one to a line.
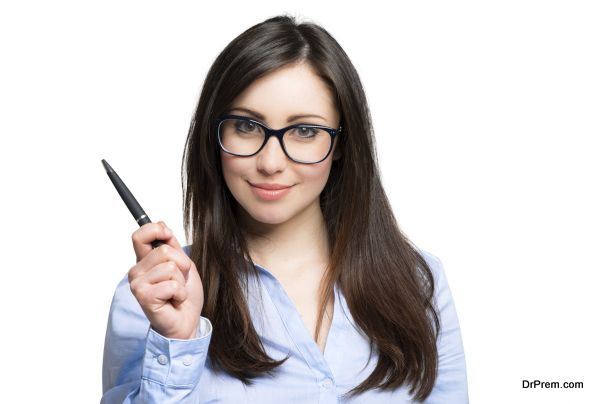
306,301
347,361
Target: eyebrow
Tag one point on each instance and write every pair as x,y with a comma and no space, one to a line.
262,117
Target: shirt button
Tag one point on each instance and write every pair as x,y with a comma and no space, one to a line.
187,360
162,359
327,383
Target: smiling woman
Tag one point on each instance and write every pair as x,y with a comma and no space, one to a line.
308,290
279,94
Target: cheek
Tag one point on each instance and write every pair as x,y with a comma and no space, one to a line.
315,177
320,172
233,170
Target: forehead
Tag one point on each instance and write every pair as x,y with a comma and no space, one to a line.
290,90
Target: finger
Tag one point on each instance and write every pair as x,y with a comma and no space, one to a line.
167,290
169,237
159,255
164,272
143,237
172,241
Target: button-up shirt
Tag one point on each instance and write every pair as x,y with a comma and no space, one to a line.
142,366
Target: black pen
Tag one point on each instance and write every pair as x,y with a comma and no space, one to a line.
132,204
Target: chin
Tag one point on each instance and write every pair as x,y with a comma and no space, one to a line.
269,217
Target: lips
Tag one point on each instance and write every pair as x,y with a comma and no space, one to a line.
270,187
273,193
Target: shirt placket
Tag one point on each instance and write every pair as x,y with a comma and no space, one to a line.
297,332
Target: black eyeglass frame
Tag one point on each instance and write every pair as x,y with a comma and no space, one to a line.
278,133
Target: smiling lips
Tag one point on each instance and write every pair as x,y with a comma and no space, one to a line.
270,192
268,186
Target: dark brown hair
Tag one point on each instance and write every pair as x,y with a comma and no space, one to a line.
386,281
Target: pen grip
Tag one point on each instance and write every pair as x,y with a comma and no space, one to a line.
157,243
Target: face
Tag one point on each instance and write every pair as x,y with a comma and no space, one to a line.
291,90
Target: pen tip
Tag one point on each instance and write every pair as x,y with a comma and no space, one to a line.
107,166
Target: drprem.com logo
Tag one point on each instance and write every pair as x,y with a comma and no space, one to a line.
537,384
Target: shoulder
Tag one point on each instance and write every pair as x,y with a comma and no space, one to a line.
451,383
437,268
443,299
125,337
432,260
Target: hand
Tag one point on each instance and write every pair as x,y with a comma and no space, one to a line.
166,283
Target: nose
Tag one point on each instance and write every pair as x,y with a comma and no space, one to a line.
272,157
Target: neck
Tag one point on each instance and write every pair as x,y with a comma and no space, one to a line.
292,246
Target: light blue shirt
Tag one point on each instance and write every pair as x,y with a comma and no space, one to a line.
141,366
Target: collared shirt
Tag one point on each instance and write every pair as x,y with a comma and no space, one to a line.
142,366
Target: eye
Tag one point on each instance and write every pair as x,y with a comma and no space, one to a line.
307,132
245,126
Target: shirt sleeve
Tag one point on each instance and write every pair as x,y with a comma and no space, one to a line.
451,382
142,366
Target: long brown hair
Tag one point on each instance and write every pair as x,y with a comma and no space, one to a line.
386,281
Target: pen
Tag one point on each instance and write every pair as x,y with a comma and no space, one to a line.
132,204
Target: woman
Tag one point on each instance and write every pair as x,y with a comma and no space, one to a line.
298,286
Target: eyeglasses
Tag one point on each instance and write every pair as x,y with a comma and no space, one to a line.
303,143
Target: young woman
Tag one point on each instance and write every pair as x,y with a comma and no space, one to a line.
298,286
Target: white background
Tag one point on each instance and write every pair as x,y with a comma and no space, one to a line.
486,117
